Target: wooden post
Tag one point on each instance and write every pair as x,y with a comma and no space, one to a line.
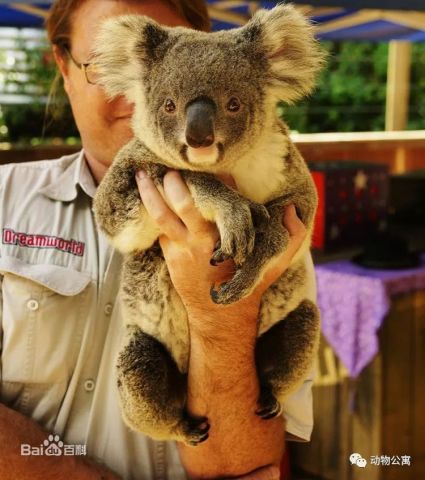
398,85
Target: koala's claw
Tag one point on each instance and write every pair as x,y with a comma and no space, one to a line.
214,294
195,430
237,245
269,412
218,257
237,232
269,406
228,292
201,439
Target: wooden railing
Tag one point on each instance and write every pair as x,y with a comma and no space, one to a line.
401,151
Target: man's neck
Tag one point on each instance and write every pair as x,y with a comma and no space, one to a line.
97,169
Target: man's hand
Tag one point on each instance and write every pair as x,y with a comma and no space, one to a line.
188,241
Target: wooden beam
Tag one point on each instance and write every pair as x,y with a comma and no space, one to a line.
416,137
253,7
398,85
227,4
227,16
39,12
415,20
348,21
306,10
317,11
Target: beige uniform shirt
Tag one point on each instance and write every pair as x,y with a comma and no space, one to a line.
60,325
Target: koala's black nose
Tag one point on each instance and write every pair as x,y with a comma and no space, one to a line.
200,115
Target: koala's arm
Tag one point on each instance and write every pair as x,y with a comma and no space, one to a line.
301,189
236,217
117,206
303,192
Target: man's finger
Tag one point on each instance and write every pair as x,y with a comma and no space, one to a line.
180,200
292,222
167,221
228,180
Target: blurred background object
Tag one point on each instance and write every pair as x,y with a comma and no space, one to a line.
353,199
367,47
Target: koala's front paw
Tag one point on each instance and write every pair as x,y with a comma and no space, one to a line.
268,406
237,231
233,290
193,431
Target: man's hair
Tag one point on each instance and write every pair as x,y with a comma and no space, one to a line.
58,22
59,26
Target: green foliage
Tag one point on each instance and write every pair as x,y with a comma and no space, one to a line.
28,121
37,64
350,95
26,73
351,91
417,94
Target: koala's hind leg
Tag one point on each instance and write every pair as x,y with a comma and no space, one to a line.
284,355
153,391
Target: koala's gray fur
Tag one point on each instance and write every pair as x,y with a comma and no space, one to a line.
274,57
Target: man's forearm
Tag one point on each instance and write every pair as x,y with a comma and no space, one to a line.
223,385
16,429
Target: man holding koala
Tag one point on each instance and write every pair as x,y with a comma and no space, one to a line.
60,322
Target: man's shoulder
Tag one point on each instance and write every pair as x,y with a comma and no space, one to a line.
33,174
48,164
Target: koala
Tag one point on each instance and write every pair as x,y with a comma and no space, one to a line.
205,104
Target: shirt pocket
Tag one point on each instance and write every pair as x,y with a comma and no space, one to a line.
45,309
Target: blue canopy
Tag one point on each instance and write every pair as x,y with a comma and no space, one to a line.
23,14
340,21
336,19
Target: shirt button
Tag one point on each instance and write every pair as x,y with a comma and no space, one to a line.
89,385
32,305
108,309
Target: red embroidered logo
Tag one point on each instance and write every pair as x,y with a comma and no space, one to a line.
10,237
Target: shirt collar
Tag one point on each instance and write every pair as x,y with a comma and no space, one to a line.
64,188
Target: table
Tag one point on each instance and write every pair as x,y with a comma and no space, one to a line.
372,351
354,301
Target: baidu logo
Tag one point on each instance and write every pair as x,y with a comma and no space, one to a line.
53,446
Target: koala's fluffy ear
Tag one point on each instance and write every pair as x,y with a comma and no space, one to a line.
294,57
123,51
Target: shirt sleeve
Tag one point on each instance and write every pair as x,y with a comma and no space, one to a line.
298,411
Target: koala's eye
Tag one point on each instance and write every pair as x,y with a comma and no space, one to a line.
233,105
169,106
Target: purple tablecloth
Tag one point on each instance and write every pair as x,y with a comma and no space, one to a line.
354,301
